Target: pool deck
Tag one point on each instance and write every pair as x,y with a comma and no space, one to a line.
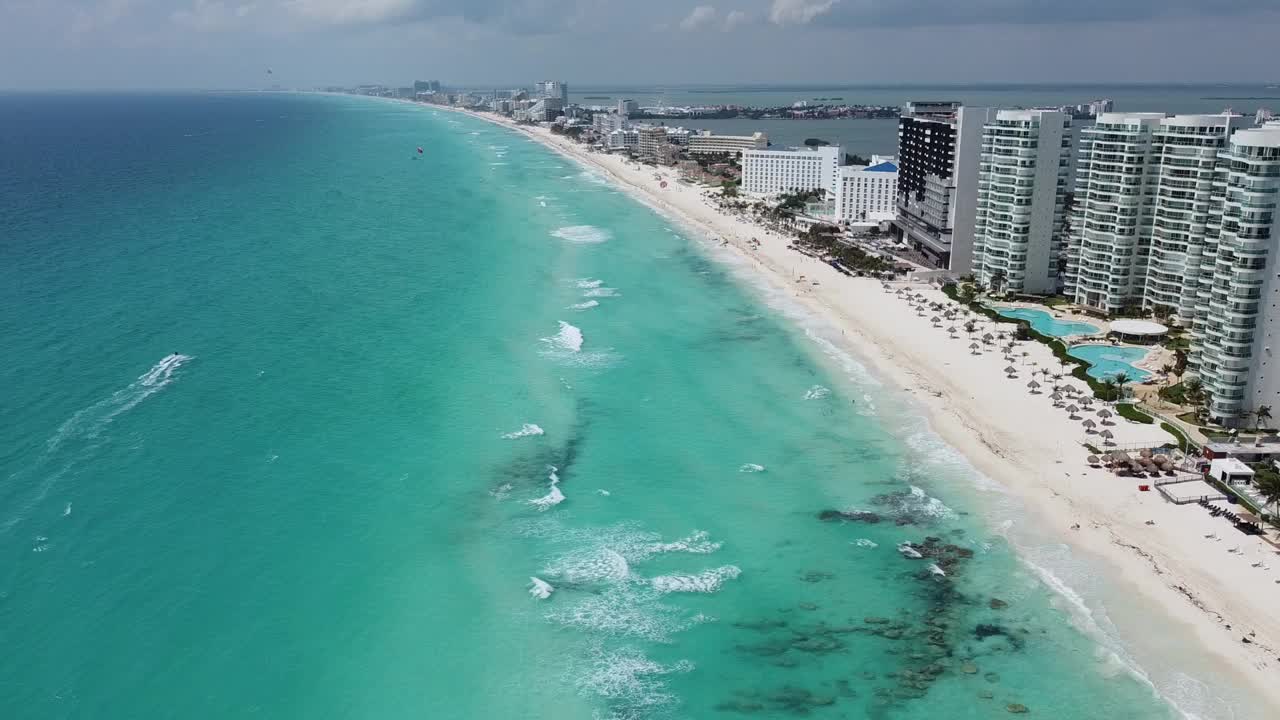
1156,357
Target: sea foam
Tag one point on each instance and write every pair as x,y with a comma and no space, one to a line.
582,234
569,338
526,430
751,468
707,581
585,305
540,589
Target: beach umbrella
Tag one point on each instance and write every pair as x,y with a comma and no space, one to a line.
1104,414
1071,411
1090,425
988,338
1056,396
952,331
1010,370
976,348
1033,385
1093,460
1107,435
1086,400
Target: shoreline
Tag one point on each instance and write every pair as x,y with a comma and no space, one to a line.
1189,584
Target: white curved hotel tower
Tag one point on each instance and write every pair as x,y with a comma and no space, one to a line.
1022,185
1179,213
1236,325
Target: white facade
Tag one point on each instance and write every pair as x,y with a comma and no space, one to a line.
769,172
704,143
628,107
652,137
1147,211
1108,246
553,89
608,122
867,192
623,140
1235,334
1022,180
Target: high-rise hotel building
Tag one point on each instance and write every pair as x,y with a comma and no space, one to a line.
1022,187
937,194
1236,312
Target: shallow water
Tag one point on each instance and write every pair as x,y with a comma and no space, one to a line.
392,410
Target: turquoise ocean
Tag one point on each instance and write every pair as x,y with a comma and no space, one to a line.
291,416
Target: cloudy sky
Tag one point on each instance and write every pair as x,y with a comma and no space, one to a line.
230,43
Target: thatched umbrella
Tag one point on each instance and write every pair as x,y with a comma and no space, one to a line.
1034,386
937,321
1071,411
1107,435
1093,461
987,338
1104,414
1086,400
1089,425
976,348
952,331
1056,397
1010,371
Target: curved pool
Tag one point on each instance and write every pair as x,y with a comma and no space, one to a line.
1045,324
1107,360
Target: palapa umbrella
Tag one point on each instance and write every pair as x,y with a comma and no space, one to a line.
1010,370
1106,436
1056,397
1033,385
1086,400
1093,460
976,348
1071,411
988,338
952,330
1089,425
1104,414
936,321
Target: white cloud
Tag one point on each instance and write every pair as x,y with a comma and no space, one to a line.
352,12
212,15
733,19
798,12
700,17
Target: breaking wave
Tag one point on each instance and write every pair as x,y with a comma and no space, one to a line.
707,581
540,589
751,468
569,338
585,305
526,430
582,234
817,392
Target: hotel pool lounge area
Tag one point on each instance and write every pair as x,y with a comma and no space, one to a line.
1046,324
1106,361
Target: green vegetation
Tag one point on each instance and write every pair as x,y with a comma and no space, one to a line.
823,241
855,159
1183,444
729,188
815,142
1176,394
1129,412
1054,301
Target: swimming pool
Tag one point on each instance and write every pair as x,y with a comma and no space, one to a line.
1044,323
1107,360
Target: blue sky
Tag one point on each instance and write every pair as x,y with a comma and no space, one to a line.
230,43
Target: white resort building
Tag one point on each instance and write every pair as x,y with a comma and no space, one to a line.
1236,323
769,172
1022,185
867,192
704,143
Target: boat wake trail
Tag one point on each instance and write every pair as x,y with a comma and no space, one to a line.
75,440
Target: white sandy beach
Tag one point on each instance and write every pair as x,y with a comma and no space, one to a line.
1191,584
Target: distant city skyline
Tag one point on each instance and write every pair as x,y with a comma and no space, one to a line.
153,44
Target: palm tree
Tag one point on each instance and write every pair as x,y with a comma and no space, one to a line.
1120,379
1109,388
997,281
970,327
1268,485
1260,416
